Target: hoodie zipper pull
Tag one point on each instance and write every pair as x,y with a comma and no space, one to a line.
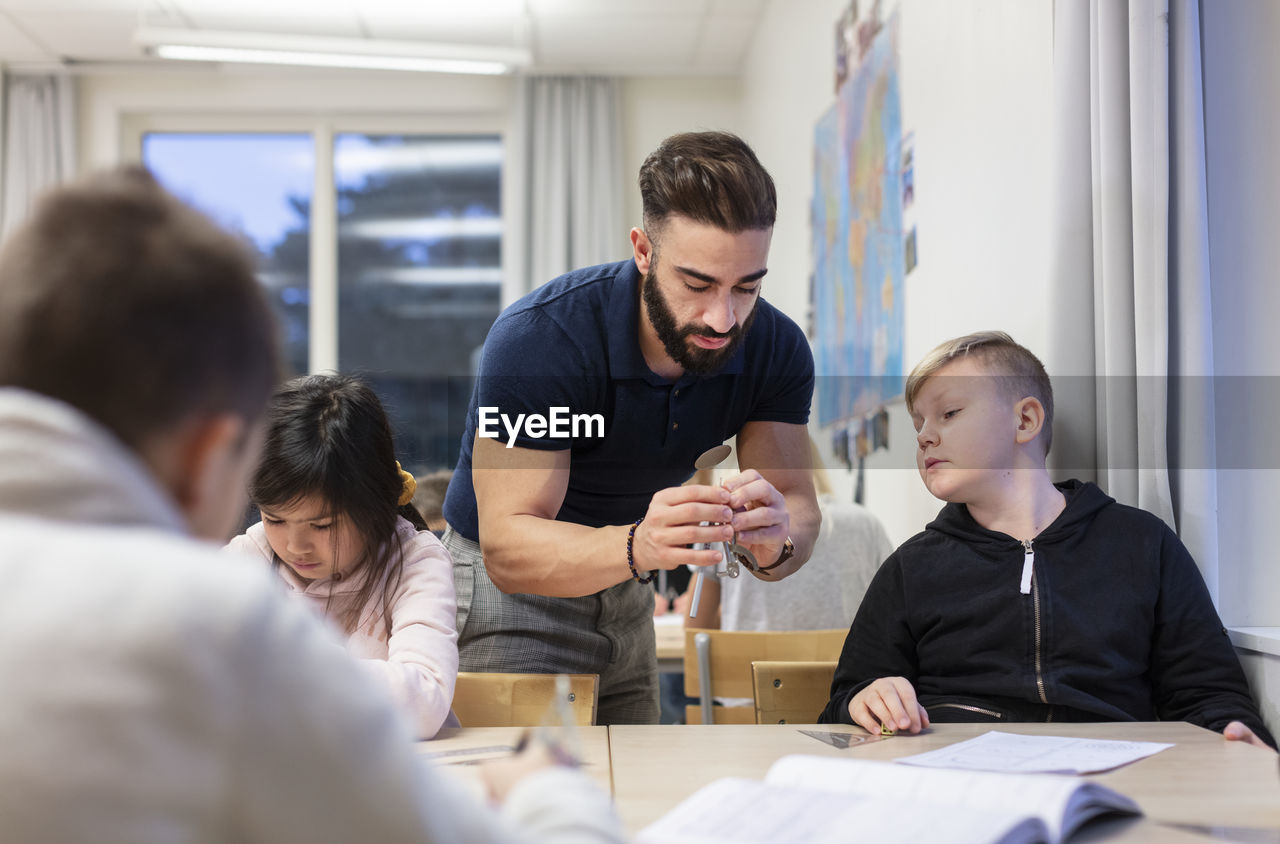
1028,566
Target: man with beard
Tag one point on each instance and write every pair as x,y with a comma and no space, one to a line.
596,394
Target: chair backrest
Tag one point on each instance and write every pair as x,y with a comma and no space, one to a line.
520,700
791,692
723,669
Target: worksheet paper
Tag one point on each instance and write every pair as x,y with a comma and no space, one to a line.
828,800
740,811
1009,753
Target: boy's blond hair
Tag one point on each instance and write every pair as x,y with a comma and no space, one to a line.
1019,372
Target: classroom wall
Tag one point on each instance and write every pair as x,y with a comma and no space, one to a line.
1242,134
653,108
976,78
108,101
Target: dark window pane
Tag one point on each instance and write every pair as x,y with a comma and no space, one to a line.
419,276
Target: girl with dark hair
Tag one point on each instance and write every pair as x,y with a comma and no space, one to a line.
338,527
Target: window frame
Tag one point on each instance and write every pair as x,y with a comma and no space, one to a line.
322,351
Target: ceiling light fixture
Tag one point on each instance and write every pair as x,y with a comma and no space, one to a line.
310,51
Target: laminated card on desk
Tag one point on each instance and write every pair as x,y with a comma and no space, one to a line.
820,799
1018,754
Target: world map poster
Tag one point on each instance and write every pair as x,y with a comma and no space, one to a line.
858,239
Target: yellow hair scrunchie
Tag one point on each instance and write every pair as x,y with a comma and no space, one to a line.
410,486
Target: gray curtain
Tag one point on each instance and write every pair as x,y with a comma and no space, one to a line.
1131,260
39,141
573,175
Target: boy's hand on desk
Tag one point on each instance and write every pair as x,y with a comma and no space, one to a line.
501,775
1237,731
889,701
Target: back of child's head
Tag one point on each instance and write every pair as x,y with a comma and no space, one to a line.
428,500
120,300
1019,373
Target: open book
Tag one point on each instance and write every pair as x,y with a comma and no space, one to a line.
821,799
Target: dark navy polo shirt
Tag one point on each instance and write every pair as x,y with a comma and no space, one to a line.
574,344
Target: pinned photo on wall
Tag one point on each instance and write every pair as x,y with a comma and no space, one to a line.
810,323
863,440
867,28
846,42
909,250
840,447
908,158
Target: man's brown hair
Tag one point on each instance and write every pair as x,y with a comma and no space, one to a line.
1020,373
709,177
120,300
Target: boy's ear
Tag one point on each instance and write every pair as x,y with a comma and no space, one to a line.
1030,419
204,464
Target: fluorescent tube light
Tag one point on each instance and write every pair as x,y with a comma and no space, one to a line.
365,53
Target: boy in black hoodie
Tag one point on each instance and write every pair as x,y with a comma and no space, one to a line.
1025,600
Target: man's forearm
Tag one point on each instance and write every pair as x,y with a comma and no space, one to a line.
540,556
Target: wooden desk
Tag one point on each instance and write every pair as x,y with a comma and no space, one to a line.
668,631
468,745
1204,780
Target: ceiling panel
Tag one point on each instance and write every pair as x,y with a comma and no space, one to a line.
723,42
620,38
333,26
16,46
745,9
665,37
249,9
123,6
440,9
656,9
84,35
494,31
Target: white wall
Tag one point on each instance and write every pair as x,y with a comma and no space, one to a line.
108,102
1242,134
976,78
654,108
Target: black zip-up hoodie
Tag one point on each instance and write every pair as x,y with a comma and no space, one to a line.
1116,624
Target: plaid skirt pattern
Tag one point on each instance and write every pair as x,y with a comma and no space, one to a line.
609,633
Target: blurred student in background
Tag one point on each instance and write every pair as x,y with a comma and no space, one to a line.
429,499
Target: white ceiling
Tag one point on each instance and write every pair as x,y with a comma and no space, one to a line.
615,37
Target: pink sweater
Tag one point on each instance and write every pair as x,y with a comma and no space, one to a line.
418,662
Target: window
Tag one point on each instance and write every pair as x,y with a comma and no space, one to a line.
258,185
412,244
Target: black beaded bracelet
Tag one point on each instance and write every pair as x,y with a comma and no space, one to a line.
631,561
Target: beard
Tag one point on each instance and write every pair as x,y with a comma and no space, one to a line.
675,338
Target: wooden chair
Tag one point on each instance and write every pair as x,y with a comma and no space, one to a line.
520,700
791,692
717,663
